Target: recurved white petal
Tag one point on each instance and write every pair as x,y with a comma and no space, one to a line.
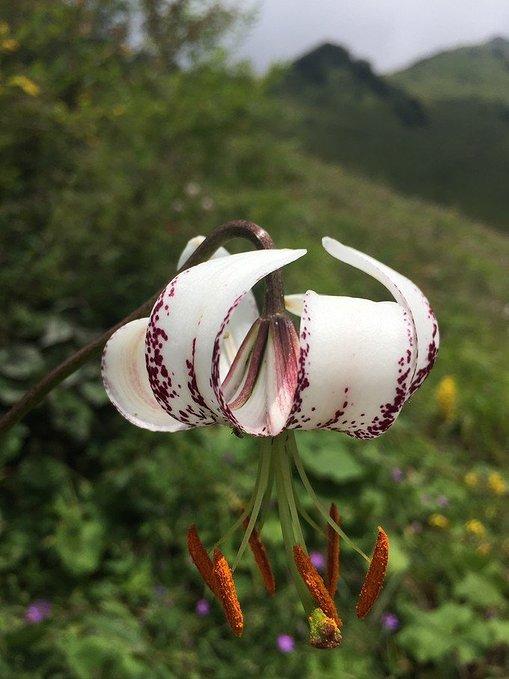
187,329
126,381
407,294
245,314
294,304
355,365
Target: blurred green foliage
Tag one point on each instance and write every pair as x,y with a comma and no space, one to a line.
112,156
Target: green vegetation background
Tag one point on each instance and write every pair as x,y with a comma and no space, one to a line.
111,158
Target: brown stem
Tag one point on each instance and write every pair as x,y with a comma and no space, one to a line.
274,303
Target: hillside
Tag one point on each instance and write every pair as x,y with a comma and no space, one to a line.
454,152
332,69
477,71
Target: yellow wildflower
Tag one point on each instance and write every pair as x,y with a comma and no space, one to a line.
484,548
438,521
447,397
118,110
9,45
4,28
496,483
476,527
28,86
471,479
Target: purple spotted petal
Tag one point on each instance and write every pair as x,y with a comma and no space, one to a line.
361,360
190,327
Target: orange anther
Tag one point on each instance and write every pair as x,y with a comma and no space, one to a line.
262,559
315,584
228,593
374,579
201,559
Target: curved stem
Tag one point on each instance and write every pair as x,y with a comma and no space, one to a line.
274,303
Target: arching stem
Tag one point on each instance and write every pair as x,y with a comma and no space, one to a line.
274,303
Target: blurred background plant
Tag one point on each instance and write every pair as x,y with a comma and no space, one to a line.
125,130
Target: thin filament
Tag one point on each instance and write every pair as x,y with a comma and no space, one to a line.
332,553
263,480
318,504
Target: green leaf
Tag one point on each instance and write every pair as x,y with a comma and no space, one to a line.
330,460
78,540
478,590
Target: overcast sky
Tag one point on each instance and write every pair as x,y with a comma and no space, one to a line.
389,33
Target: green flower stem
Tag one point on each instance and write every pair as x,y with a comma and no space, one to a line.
287,527
317,502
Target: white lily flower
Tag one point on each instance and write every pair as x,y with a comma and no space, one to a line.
206,356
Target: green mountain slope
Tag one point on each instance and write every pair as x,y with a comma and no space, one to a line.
454,152
460,264
478,71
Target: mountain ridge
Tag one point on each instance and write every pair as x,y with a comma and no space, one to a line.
451,149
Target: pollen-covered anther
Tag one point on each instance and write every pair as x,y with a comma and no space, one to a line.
228,593
323,631
315,584
261,559
332,552
374,580
201,559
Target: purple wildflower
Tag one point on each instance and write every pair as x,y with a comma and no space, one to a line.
397,474
416,527
160,591
38,611
442,501
318,560
390,621
202,607
285,643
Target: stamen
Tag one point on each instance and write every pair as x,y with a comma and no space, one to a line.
323,631
262,559
332,553
321,509
253,367
201,559
315,584
228,593
374,579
